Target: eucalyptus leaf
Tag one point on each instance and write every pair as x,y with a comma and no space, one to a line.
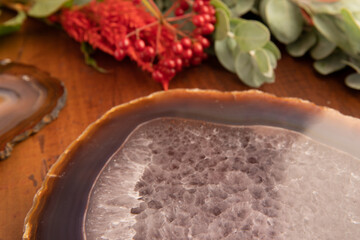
222,24
327,7
13,24
353,81
248,72
352,30
44,8
323,48
354,64
284,19
234,22
239,7
272,58
331,64
251,35
263,62
328,26
225,54
218,4
273,49
87,50
302,44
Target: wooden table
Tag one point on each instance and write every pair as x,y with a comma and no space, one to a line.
91,94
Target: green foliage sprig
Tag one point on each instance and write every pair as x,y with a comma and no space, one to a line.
327,30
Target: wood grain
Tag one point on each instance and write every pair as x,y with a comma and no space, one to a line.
90,94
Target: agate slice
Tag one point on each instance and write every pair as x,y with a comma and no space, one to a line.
29,99
191,164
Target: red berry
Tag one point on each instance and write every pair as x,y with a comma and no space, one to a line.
170,72
213,19
169,63
186,42
198,20
179,63
207,28
119,54
204,9
177,48
158,76
197,31
204,41
205,56
207,17
179,12
186,62
184,5
136,2
139,45
198,48
212,10
148,53
124,43
187,54
196,60
197,5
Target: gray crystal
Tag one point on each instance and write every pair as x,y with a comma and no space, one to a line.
182,179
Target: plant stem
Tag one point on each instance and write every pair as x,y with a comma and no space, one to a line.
142,28
173,6
168,25
173,19
151,6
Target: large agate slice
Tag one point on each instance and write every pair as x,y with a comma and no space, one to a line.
29,99
194,164
180,179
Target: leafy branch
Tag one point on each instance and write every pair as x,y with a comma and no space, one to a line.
327,30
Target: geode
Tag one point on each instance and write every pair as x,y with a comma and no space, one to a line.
29,99
206,165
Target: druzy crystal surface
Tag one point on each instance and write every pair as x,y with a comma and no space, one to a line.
186,179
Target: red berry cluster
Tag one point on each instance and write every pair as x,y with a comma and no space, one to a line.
157,43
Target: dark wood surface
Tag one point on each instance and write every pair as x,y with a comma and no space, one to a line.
91,94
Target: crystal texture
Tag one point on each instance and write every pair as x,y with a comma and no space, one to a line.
186,179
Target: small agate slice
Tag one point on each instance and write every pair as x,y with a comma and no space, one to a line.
29,99
179,179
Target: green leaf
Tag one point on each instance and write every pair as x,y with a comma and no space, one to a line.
248,72
13,24
302,44
263,62
273,49
222,24
44,8
328,26
225,54
87,50
354,64
239,7
284,19
234,22
272,58
331,64
352,30
218,4
323,48
353,81
333,7
251,35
